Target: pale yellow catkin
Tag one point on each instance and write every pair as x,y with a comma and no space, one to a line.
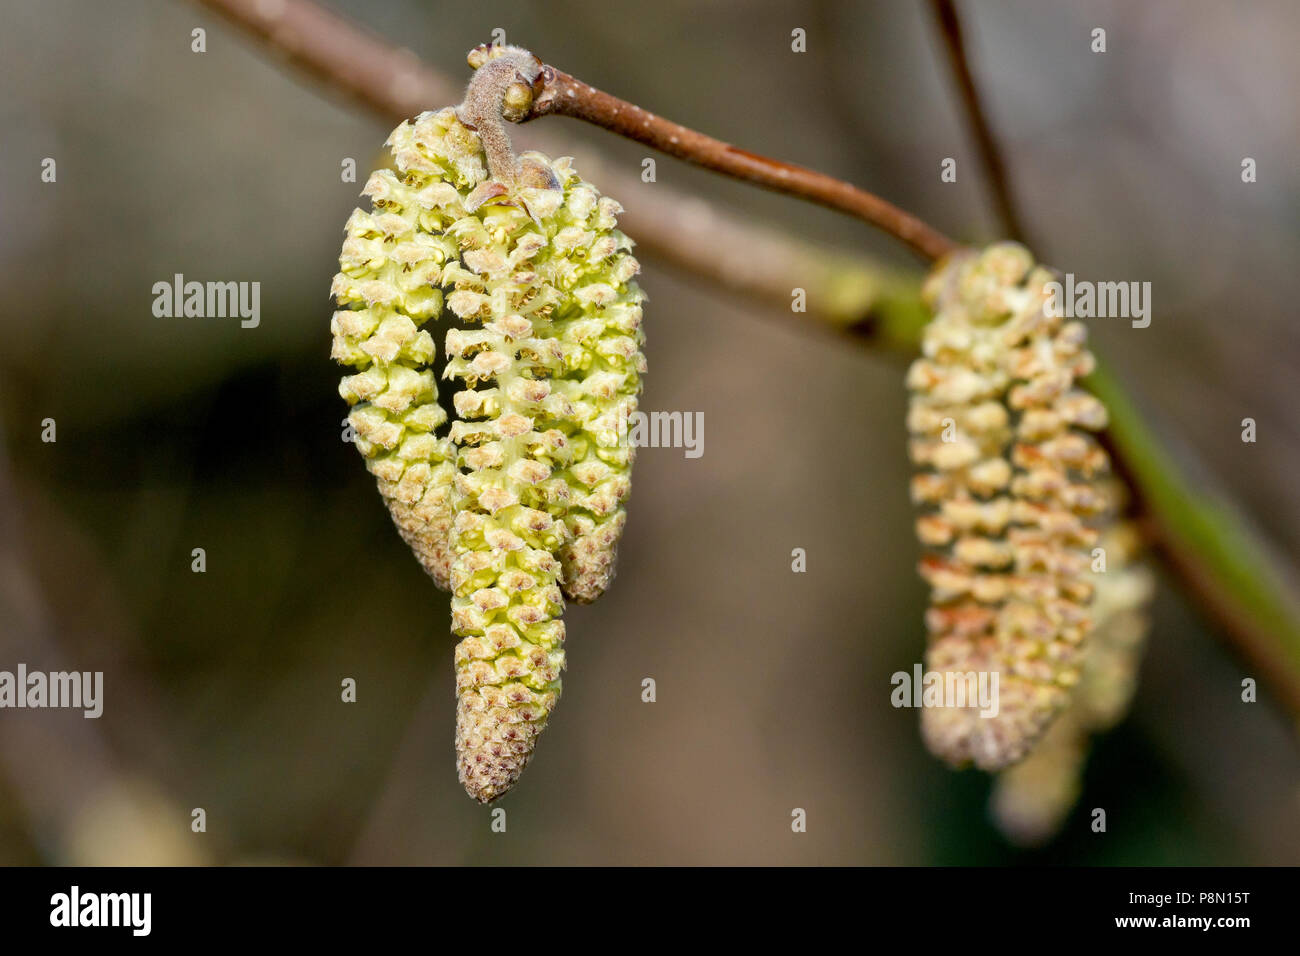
1008,486
549,361
386,290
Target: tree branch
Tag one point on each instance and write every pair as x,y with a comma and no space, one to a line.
847,292
945,12
563,95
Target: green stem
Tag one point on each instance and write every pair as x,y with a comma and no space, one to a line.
1231,571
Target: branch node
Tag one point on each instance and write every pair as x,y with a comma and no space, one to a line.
506,81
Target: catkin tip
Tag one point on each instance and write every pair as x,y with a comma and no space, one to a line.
494,743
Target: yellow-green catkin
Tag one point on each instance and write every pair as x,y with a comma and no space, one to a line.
386,290
550,361
1032,799
599,323
1009,487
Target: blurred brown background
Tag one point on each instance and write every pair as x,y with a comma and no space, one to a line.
222,688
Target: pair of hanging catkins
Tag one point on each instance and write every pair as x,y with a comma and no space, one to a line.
518,504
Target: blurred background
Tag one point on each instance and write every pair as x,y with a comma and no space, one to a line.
222,689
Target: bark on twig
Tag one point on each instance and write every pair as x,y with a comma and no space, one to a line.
563,95
847,292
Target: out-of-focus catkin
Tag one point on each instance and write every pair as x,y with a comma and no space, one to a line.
1008,484
386,289
1031,800
550,365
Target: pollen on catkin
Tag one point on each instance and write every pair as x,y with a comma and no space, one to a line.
1031,800
1008,486
386,290
550,363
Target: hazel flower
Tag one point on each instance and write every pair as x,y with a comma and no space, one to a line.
550,361
598,318
386,290
1008,486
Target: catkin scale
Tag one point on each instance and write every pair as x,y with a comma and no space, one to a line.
1009,490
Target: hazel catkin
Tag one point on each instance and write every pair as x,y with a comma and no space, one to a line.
1008,486
549,360
522,501
386,290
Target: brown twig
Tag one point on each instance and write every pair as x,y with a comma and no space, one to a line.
564,95
341,55
329,48
945,12
847,292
